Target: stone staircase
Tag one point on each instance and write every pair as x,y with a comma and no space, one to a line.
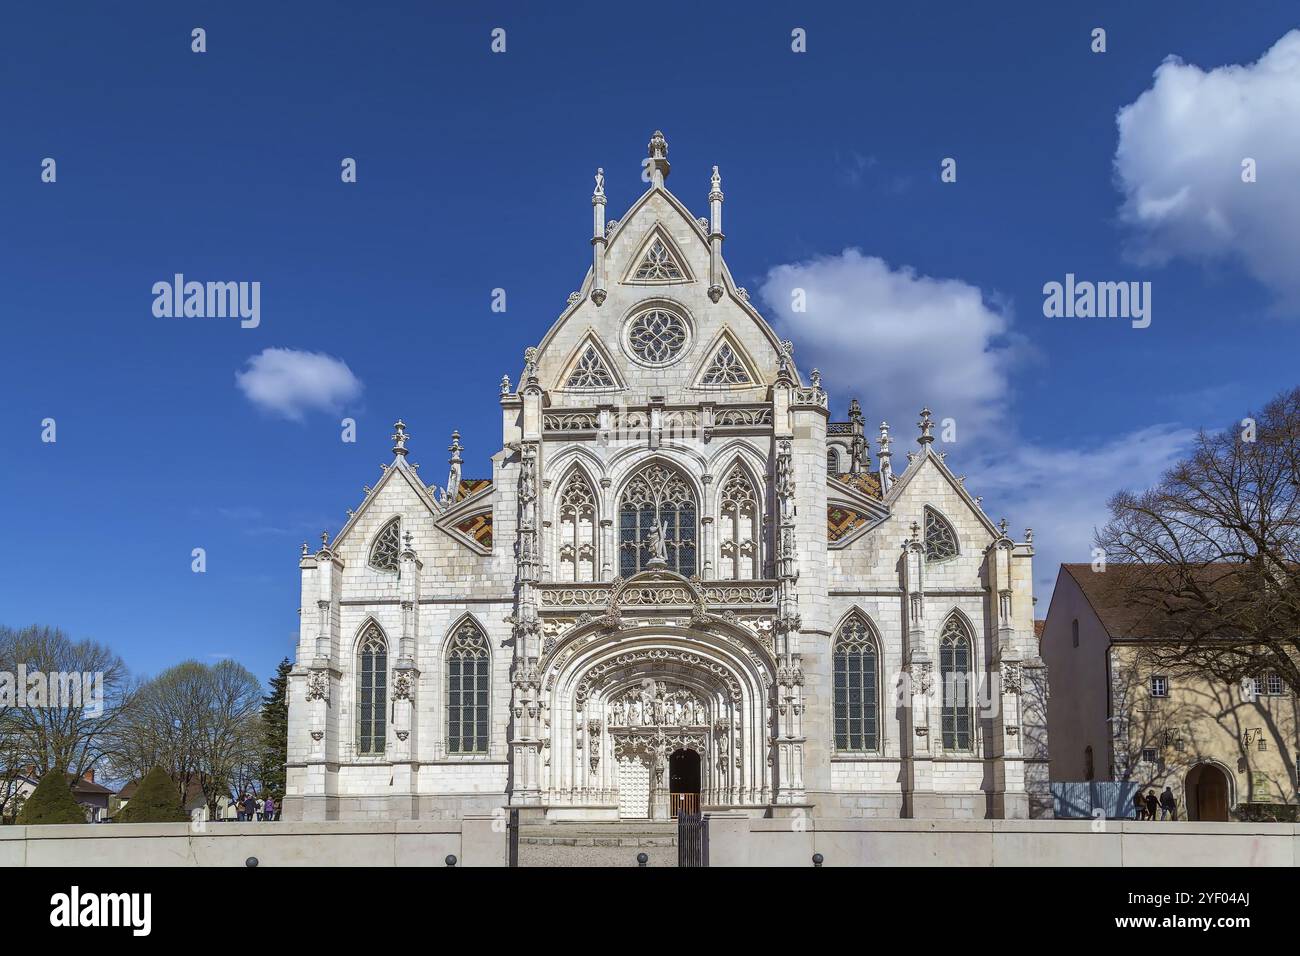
598,844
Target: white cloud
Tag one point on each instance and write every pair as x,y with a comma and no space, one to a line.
290,383
1062,492
1178,163
898,340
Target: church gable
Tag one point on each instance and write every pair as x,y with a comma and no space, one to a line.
591,369
726,365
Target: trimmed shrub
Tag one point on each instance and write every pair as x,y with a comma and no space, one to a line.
1265,812
156,800
51,802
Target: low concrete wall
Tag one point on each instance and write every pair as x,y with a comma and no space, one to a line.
475,841
737,840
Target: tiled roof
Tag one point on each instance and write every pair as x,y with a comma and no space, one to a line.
867,483
840,521
469,486
1106,590
478,527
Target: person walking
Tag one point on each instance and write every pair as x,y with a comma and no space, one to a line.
1139,805
239,807
250,807
261,809
1152,804
1168,805
268,811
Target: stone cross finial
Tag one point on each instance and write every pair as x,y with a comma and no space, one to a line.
304,549
1002,526
324,539
926,426
505,384
400,438
407,538
916,531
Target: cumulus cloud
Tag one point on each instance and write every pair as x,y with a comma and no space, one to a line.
291,383
1062,492
1179,165
896,339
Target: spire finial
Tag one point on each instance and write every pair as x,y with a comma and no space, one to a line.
716,182
324,540
855,412
400,438
657,150
505,384
453,474
304,549
885,456
600,184
926,426
455,448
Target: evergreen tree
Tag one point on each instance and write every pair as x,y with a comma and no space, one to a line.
275,732
51,802
156,800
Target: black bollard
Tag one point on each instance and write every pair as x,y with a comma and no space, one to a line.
251,862
817,859
451,859
642,859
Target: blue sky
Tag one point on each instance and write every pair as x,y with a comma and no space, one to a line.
474,173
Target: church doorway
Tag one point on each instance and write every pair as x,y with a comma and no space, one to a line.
684,782
1206,790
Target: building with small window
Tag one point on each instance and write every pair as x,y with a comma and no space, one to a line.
1117,715
675,582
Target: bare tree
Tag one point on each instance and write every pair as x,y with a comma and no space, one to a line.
1208,561
198,722
64,699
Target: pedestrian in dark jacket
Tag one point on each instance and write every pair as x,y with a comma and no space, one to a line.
1152,804
250,807
1139,806
1168,805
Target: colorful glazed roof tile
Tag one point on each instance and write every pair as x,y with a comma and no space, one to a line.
868,484
469,486
478,527
840,521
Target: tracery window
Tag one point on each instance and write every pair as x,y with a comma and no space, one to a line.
590,372
657,503
387,546
577,530
468,690
738,528
940,539
726,369
372,691
832,461
857,687
658,264
955,673
657,337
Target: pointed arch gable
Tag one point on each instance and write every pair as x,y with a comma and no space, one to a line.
589,366
940,536
725,365
368,626
466,617
658,260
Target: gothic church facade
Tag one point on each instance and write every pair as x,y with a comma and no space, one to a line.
680,586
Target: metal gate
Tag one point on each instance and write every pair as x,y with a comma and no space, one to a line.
692,839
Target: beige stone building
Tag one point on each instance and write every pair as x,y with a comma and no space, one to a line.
677,584
1114,714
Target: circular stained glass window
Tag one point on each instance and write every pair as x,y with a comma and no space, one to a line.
657,337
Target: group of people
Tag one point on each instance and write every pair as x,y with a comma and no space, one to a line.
1145,807
251,807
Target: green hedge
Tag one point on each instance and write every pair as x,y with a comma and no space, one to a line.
156,800
51,802
1265,812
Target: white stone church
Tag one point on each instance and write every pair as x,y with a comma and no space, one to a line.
677,585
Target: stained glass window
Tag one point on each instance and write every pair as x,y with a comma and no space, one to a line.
468,691
658,264
940,539
387,546
657,337
372,691
657,501
726,369
577,530
590,372
856,688
955,675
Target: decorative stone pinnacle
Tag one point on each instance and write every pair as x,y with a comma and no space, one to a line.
816,378
716,182
304,549
505,384
1029,535
455,447
1002,526
916,531
855,411
657,150
600,184
407,538
884,438
400,438
324,539
926,426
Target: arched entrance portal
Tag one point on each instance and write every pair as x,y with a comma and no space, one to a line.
684,782
1206,788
